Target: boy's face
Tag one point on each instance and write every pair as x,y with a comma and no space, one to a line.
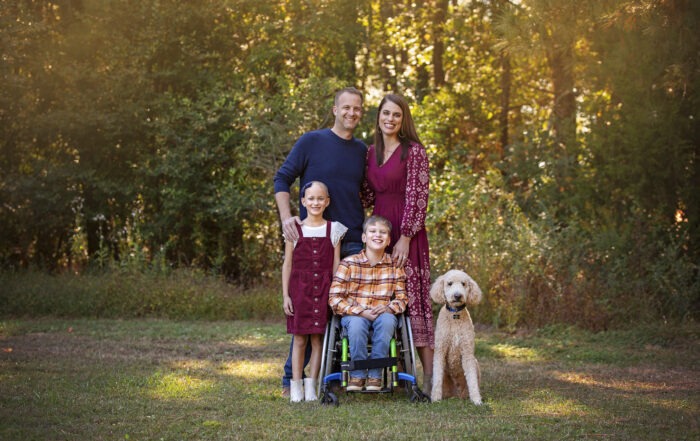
376,237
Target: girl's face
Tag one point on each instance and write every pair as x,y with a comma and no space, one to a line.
315,200
390,118
376,236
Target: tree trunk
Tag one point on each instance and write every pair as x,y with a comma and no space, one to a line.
561,63
505,103
438,42
386,11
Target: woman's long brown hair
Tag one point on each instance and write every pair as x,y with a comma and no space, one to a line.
407,132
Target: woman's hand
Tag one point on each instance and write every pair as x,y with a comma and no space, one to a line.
400,253
288,308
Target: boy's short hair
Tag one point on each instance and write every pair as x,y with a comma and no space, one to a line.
376,219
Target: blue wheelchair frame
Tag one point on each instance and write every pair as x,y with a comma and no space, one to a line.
336,363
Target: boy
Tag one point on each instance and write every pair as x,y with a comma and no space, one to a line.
368,290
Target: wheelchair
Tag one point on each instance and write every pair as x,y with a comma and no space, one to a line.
399,369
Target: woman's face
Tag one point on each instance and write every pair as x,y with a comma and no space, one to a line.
390,119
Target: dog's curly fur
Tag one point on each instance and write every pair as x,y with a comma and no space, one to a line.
455,369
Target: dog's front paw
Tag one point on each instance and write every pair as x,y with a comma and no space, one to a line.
477,401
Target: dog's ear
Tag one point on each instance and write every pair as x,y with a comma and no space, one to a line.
437,291
474,294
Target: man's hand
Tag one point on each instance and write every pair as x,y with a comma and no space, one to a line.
289,228
286,219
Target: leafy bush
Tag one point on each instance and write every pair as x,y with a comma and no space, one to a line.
180,294
476,226
537,271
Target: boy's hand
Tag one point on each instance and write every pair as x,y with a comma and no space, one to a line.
369,315
288,308
379,310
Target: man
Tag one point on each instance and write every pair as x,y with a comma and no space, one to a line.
336,158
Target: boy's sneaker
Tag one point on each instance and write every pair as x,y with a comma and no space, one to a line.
374,384
355,384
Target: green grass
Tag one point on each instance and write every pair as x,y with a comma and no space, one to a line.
181,294
146,379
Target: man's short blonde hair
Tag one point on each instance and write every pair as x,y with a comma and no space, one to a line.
352,90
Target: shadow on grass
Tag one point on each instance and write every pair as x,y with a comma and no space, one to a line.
153,379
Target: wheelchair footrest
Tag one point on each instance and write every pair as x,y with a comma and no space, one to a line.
373,363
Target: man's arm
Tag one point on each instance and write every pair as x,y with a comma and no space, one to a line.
286,219
292,168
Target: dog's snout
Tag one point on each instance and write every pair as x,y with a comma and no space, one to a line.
458,296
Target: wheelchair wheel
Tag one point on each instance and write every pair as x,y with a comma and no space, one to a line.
329,349
328,398
407,352
417,396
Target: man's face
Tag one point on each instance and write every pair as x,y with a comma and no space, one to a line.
348,111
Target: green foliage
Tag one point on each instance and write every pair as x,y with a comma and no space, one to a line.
476,226
562,138
115,293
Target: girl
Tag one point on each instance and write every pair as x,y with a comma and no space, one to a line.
307,272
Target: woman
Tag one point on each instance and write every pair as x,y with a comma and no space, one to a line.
396,183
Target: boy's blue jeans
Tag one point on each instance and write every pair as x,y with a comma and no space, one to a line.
358,332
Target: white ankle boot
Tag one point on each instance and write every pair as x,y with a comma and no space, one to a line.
296,391
310,389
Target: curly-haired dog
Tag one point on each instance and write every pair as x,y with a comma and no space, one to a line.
455,369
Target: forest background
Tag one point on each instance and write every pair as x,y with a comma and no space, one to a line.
138,141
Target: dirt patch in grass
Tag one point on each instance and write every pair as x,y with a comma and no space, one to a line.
100,379
66,345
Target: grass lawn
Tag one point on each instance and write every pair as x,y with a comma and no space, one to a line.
169,380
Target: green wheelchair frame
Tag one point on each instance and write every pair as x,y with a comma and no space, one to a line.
336,363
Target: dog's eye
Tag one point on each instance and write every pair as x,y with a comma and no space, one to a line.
449,283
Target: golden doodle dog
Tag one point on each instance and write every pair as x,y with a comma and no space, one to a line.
455,369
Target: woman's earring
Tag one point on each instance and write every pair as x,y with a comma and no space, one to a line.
401,135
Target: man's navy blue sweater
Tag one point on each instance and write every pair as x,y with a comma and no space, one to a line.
321,155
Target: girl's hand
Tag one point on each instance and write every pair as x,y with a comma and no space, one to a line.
288,308
400,253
